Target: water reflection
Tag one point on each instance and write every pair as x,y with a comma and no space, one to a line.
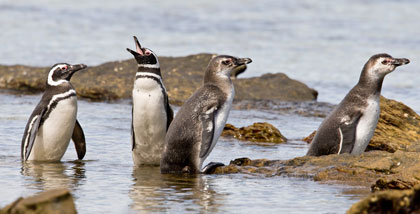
155,192
47,175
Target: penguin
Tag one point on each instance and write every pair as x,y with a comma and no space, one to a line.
198,124
151,112
350,126
53,121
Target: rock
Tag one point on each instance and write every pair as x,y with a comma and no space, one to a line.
257,132
48,202
358,170
398,128
181,76
390,201
309,138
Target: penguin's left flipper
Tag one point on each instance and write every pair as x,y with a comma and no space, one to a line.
207,134
133,136
78,138
211,167
348,133
33,132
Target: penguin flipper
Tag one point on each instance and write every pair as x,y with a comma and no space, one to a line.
79,141
133,137
348,134
211,167
208,126
169,113
32,134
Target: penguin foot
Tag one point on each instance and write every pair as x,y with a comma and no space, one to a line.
211,167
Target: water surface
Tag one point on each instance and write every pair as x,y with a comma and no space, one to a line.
106,180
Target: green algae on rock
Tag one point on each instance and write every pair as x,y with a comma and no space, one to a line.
48,202
181,76
257,132
390,201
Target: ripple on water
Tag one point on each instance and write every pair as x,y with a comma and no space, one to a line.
105,179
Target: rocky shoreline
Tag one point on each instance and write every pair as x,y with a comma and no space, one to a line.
390,168
181,76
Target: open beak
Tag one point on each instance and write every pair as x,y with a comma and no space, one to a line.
400,61
74,68
138,48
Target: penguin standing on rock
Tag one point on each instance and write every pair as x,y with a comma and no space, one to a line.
200,121
350,126
151,114
53,122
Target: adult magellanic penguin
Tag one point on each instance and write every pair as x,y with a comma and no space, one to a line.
350,126
197,126
53,122
151,114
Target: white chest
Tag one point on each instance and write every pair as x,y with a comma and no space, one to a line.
220,120
54,135
149,121
366,126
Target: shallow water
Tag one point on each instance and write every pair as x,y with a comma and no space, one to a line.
322,43
106,180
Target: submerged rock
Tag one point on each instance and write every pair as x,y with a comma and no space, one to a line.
181,76
390,201
257,132
398,128
48,202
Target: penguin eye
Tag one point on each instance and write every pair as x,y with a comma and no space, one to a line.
147,52
385,62
64,68
227,62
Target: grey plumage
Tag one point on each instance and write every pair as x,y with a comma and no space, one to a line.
198,124
350,126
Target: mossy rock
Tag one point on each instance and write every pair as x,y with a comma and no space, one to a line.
48,202
389,202
257,132
181,76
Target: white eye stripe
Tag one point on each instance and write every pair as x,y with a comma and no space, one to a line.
50,80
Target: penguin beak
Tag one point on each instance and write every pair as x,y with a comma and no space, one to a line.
243,61
138,51
399,61
74,68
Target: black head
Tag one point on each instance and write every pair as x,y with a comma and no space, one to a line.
62,72
225,66
144,56
380,65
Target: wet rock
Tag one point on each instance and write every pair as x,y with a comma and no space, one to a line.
358,170
48,202
181,76
390,201
310,137
383,184
257,132
398,128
